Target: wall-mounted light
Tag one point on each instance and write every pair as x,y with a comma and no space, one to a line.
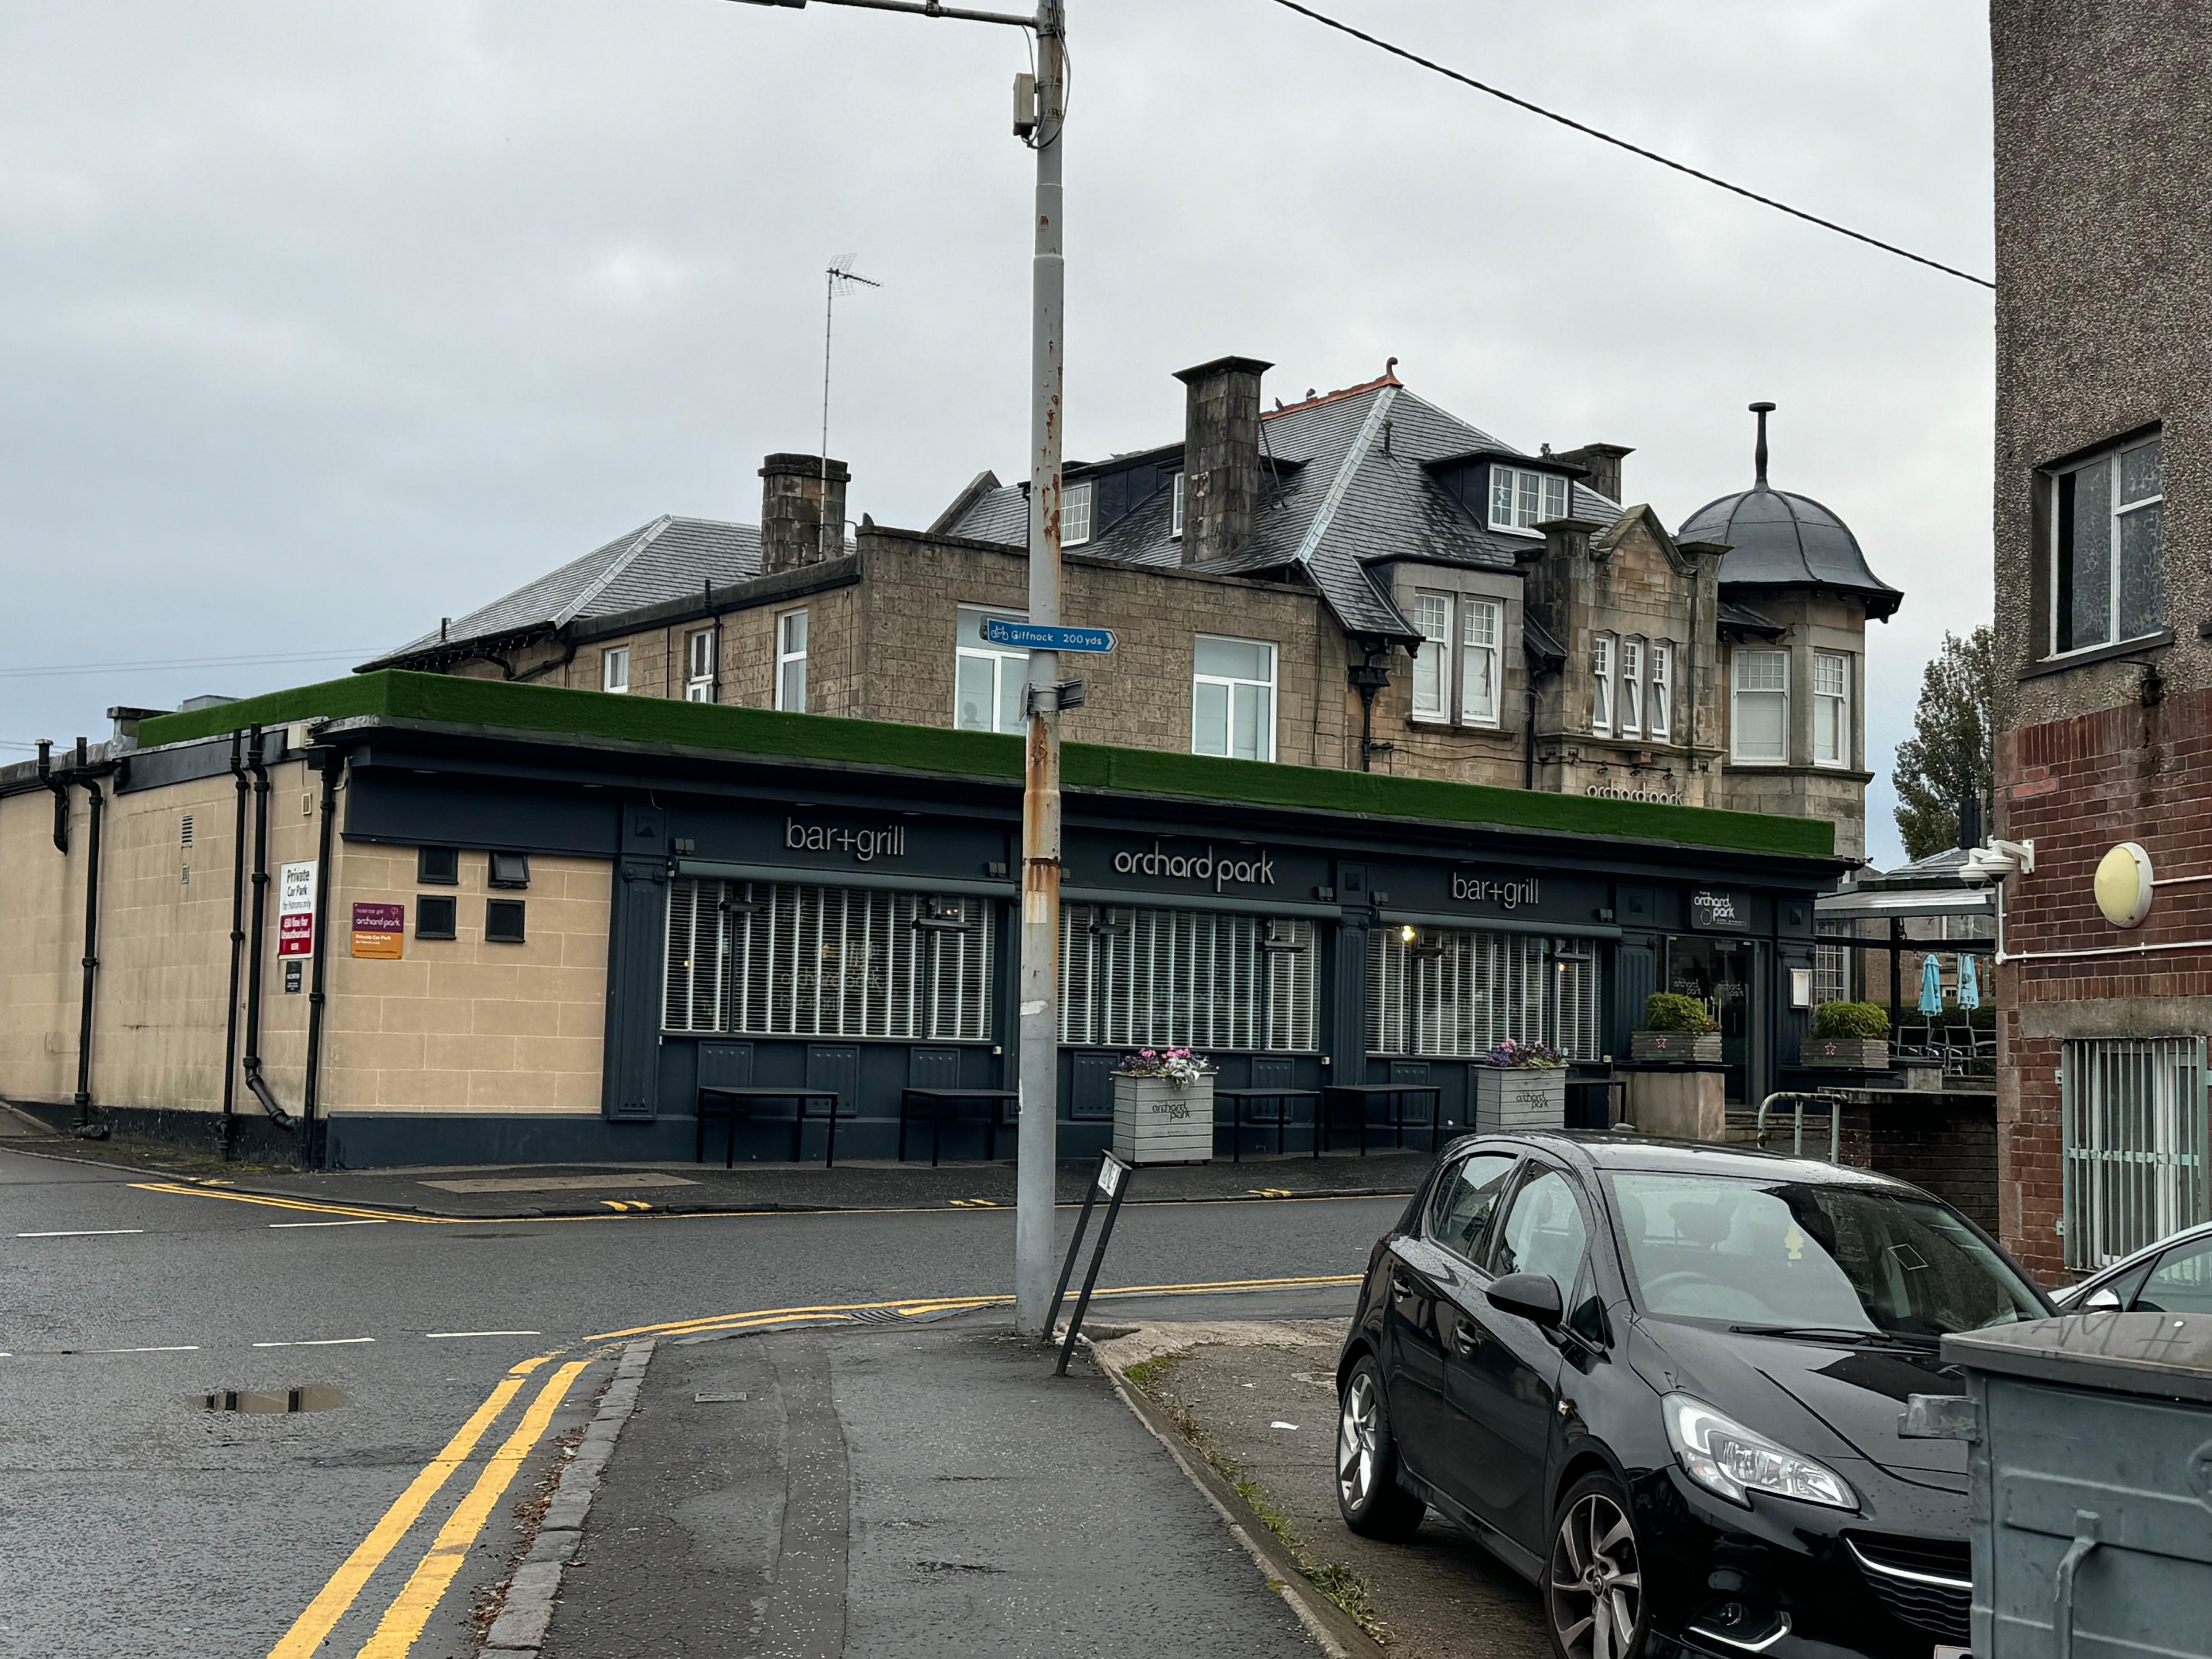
1408,933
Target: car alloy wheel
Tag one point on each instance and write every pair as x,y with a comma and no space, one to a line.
1359,1450
1368,1494
1596,1593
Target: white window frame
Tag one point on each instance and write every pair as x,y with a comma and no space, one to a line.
2109,459
1602,662
1004,660
1529,497
1659,716
1482,636
1632,651
1737,692
1431,684
1231,682
699,682
1075,504
614,670
1175,507
1832,710
788,657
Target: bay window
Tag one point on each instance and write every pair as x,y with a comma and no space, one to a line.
1759,725
1832,709
790,662
987,678
1232,703
2106,582
1481,626
1432,660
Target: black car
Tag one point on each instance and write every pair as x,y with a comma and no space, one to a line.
1663,1382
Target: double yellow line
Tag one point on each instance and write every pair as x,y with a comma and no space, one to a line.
403,1621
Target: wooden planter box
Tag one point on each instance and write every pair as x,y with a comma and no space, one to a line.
1156,1122
1702,1049
1855,1053
1508,1098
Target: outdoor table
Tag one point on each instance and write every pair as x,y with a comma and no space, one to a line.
1241,1101
938,1104
1337,1095
740,1102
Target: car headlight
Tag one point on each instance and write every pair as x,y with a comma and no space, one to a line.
1726,1458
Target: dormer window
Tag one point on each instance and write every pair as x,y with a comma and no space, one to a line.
1075,514
1520,499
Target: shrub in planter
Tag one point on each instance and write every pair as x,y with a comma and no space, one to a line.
1852,1019
1676,1028
1851,1034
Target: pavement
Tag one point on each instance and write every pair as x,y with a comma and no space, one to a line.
1257,1400
519,1192
134,1519
902,1492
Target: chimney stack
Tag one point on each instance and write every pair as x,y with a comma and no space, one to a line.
1221,456
1602,462
794,515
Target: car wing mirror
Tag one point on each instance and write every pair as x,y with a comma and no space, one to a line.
1535,1296
2103,1300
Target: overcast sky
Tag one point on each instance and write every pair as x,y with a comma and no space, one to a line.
319,322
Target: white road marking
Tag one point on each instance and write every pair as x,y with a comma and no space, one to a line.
1282,1425
327,1223
439,1336
187,1347
319,1342
85,1232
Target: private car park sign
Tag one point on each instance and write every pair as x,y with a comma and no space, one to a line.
296,909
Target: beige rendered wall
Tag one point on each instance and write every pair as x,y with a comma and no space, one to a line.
41,916
463,1025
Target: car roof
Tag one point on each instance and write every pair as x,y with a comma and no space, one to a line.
1599,1149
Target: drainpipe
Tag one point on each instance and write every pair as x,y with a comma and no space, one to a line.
237,947
1368,677
96,800
312,1139
255,1083
61,793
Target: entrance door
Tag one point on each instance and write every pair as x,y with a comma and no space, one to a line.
1723,973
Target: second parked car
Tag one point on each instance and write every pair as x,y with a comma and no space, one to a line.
1663,1381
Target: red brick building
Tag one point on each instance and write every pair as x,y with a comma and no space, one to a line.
2104,175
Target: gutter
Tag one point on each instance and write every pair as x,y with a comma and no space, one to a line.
97,800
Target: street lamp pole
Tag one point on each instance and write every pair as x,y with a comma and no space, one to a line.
1037,1036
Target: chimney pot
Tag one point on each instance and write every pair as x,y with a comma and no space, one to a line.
799,523
1221,456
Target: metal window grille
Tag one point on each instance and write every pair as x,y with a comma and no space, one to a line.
777,959
187,836
1195,979
2135,1168
1458,993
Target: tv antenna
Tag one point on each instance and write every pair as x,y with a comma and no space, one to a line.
839,278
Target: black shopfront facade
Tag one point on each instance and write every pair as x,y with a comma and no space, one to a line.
851,928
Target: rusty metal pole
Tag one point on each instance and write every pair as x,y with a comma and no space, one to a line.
1038,1037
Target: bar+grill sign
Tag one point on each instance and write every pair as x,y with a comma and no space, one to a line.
296,909
378,930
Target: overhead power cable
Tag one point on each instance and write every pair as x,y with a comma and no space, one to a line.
1583,127
187,662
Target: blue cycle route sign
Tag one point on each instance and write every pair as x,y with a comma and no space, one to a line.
1035,636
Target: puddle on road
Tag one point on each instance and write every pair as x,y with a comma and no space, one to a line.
271,1402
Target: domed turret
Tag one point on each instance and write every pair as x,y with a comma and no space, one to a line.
1779,540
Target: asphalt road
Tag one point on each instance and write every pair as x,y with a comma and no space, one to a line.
134,1521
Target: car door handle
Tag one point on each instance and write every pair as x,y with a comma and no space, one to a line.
1466,1338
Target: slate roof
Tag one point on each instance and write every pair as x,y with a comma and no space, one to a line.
1335,504
663,560
1781,539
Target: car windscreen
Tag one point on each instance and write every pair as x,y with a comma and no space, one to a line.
1793,1255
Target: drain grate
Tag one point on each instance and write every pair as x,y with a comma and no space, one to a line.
878,1315
271,1402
